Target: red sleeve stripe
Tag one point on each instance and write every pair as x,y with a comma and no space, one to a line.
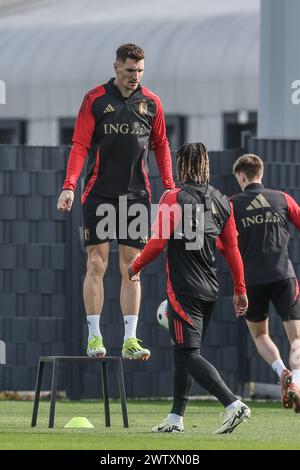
169,197
293,210
296,290
92,179
160,142
151,95
168,215
91,95
173,301
147,182
82,137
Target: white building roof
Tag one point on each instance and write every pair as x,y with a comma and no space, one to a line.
201,57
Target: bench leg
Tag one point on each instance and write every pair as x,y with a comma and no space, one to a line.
105,393
53,392
38,385
122,393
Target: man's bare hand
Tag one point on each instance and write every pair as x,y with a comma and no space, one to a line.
65,200
132,276
240,304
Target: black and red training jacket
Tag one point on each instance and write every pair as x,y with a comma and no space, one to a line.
262,217
115,133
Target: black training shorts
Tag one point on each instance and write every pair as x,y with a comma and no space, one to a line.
127,220
283,294
183,334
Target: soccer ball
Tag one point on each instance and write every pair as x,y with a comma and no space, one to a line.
162,314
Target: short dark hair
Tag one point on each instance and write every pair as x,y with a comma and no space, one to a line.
129,51
250,164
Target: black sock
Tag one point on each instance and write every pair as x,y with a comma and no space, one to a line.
182,387
203,373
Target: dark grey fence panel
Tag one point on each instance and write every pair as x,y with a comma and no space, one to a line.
43,265
33,259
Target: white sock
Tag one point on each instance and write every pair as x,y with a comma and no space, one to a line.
296,377
130,324
93,322
233,405
175,418
278,366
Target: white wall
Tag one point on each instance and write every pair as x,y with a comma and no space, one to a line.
206,129
43,132
280,67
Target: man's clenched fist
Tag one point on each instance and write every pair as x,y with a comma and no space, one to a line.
65,200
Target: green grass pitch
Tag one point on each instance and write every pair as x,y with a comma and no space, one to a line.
271,427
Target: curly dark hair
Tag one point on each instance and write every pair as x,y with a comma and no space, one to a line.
192,163
129,51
